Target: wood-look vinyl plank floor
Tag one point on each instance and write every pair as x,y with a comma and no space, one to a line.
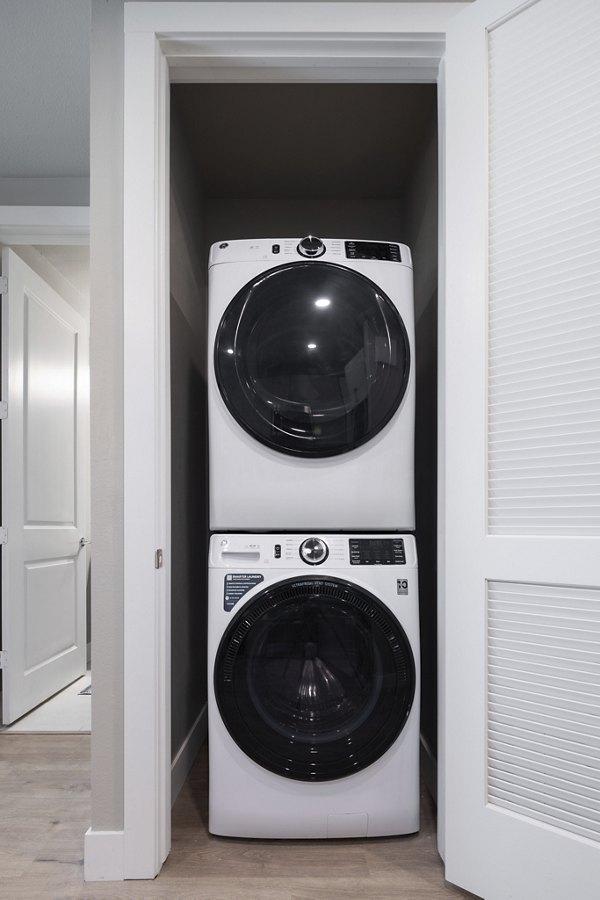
45,810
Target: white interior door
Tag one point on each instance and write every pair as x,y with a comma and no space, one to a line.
45,470
521,687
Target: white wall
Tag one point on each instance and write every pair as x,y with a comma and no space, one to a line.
106,364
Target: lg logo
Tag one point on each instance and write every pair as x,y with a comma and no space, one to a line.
402,584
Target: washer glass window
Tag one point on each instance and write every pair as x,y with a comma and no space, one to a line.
314,679
312,358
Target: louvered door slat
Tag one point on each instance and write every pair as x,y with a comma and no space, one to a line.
544,293
544,700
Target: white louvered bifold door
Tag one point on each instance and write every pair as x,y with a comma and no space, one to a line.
520,606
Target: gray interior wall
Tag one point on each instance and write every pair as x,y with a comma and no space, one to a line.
63,191
250,218
189,476
106,365
422,228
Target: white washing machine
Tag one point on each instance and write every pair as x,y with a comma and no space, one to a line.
313,649
311,385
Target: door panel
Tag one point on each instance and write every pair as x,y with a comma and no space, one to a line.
522,464
49,415
45,470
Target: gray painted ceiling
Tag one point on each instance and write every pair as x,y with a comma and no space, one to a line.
44,94
303,140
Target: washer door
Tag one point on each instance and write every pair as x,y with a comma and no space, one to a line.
312,359
314,679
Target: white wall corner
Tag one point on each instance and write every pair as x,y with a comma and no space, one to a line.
103,856
188,752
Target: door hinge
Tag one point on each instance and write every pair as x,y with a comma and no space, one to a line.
3,409
3,659
3,535
3,284
158,559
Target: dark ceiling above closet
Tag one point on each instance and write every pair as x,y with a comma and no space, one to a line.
304,140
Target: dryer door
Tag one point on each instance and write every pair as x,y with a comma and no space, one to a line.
314,679
312,359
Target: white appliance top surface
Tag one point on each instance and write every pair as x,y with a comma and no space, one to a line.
282,250
312,551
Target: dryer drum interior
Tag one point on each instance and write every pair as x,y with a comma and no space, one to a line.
314,679
312,359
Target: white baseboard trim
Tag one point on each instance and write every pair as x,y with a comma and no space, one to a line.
103,856
429,768
188,752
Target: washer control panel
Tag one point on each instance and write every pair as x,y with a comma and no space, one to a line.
314,551
377,552
261,552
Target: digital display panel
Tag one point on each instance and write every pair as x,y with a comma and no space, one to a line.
377,552
372,250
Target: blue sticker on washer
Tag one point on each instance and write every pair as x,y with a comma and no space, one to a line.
235,586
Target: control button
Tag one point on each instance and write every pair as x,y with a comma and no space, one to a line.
277,551
275,248
311,246
314,551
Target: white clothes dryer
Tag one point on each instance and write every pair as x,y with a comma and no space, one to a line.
313,649
311,385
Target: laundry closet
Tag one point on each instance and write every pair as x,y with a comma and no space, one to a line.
278,161
518,515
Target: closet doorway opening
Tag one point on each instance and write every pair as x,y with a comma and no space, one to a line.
197,50
279,160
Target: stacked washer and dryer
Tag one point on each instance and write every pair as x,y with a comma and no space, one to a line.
313,626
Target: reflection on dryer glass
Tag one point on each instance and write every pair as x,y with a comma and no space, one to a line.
320,358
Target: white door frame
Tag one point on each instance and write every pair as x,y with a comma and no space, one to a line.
394,42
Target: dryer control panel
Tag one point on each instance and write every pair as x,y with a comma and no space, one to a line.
373,250
284,250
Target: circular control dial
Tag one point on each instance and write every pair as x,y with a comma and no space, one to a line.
311,246
314,551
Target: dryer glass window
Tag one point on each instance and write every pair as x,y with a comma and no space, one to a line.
314,679
312,359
